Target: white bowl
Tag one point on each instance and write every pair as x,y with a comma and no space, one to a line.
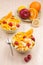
22,52
10,31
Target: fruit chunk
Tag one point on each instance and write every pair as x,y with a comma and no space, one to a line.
35,23
24,13
36,5
0,21
26,59
33,38
28,44
16,43
17,25
12,17
4,22
20,8
29,32
10,24
24,36
29,57
5,27
33,13
8,15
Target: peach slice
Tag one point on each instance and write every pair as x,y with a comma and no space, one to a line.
29,32
7,16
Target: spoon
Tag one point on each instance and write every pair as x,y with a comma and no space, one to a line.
9,43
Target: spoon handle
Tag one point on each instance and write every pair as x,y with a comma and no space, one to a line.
11,49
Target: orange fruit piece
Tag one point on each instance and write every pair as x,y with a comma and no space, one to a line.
36,5
29,32
33,13
0,22
8,15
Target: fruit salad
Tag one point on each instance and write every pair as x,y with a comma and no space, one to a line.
23,41
10,23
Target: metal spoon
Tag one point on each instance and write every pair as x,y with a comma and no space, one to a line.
9,42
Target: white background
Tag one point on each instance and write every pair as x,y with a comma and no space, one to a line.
37,52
